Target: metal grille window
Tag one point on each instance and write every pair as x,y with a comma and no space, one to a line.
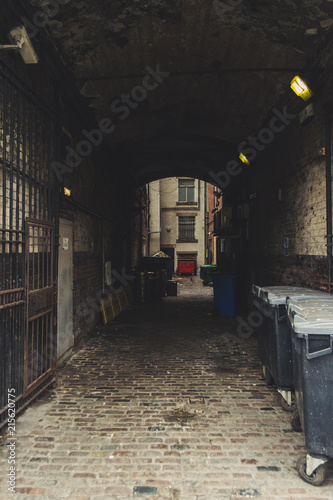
186,228
186,190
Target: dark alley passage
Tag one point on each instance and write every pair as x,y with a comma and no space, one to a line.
142,142
165,403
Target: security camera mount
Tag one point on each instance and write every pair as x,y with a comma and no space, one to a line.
23,44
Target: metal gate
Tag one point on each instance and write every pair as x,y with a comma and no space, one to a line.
38,343
27,214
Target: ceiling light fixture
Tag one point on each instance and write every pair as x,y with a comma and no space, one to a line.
301,88
22,44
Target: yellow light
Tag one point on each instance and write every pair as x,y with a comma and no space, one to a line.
243,158
67,192
300,88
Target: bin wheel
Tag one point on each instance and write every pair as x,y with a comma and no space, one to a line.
296,421
316,478
287,407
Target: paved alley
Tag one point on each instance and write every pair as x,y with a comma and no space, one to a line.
166,403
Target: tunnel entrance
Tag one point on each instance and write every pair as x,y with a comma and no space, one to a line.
121,95
197,224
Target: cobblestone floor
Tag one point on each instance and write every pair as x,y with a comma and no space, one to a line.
166,403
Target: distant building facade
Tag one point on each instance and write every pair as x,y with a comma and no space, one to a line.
178,218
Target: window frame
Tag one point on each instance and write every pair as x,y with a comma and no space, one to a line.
189,186
186,229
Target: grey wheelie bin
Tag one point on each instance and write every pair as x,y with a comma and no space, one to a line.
311,324
274,338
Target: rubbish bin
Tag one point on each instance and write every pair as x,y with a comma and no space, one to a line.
187,266
141,286
155,285
224,294
154,264
172,288
311,325
206,274
274,337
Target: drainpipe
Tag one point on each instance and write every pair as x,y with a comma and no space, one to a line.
148,213
141,235
103,257
328,154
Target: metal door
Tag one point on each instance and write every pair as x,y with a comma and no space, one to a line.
39,356
65,289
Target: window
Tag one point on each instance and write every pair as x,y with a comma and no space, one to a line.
186,190
186,228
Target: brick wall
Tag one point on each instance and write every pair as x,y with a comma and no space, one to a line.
87,285
288,208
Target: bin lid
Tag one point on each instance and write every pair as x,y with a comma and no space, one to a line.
299,305
311,315
277,295
256,290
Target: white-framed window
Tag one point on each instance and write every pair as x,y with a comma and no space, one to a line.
186,190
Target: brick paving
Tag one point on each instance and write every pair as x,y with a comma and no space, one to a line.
166,403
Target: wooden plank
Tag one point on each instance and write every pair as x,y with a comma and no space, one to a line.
107,310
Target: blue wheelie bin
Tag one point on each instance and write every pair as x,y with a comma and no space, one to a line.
224,294
274,337
311,324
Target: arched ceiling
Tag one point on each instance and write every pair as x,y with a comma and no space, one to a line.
228,63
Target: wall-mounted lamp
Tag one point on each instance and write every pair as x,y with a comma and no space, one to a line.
22,44
301,88
67,192
243,159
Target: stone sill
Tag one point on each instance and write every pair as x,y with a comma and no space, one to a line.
187,241
186,203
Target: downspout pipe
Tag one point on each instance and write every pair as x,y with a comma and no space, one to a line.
148,212
328,155
206,223
103,257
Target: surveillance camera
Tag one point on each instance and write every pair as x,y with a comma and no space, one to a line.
24,45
